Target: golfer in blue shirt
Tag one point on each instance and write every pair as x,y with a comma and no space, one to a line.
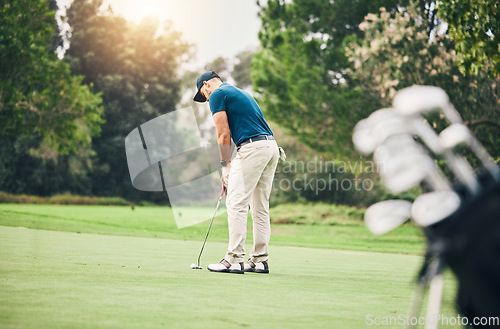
248,177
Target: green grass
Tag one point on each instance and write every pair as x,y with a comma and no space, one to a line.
67,280
135,273
333,229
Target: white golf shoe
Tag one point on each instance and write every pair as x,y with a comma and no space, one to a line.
225,267
259,267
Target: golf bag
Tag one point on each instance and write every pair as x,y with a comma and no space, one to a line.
461,222
468,242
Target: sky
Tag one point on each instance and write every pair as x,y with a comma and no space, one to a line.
215,27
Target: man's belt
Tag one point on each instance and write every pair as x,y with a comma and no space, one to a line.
255,139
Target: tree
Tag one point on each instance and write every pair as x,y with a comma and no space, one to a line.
307,84
474,26
47,116
135,69
241,70
39,98
396,53
301,71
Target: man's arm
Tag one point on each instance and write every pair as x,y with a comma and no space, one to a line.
223,135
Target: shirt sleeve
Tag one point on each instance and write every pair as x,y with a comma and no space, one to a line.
217,101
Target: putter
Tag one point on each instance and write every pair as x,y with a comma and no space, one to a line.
198,267
385,216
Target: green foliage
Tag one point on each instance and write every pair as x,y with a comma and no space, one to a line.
38,95
47,117
293,92
300,73
65,199
27,168
396,53
474,26
238,69
134,67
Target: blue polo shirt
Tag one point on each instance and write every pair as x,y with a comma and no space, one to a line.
243,113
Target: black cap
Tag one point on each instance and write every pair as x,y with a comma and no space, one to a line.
199,83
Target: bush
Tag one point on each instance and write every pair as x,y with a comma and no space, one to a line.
66,199
316,214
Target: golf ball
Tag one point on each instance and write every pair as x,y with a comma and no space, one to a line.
193,265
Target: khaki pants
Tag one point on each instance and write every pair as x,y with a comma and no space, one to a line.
250,183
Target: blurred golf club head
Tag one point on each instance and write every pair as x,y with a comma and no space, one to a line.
381,124
418,100
385,216
394,145
403,162
372,131
362,137
432,207
403,171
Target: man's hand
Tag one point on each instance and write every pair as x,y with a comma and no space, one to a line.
225,174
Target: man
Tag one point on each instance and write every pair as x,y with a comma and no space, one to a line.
248,177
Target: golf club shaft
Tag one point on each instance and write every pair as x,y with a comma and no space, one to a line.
463,171
211,222
484,157
416,303
434,301
457,164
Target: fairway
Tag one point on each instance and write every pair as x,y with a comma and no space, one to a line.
54,279
340,232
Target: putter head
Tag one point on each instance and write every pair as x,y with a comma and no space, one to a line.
385,216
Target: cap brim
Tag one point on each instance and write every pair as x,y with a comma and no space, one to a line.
199,97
